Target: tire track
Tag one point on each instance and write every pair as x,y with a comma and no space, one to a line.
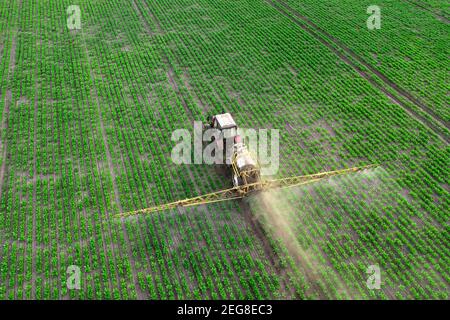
437,125
35,176
4,144
4,126
165,59
5,115
435,14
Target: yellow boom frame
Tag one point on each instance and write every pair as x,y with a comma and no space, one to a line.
243,191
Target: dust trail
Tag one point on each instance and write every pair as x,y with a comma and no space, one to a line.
274,211
274,214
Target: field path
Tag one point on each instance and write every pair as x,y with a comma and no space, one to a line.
35,175
374,76
113,175
4,125
5,115
423,7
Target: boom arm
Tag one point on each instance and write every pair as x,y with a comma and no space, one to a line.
223,195
299,180
236,193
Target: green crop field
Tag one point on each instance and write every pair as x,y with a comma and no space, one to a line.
87,117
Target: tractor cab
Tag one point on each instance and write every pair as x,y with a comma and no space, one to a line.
228,131
225,123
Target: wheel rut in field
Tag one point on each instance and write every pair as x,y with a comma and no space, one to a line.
4,169
35,174
8,99
5,116
371,74
171,76
4,128
4,144
438,16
